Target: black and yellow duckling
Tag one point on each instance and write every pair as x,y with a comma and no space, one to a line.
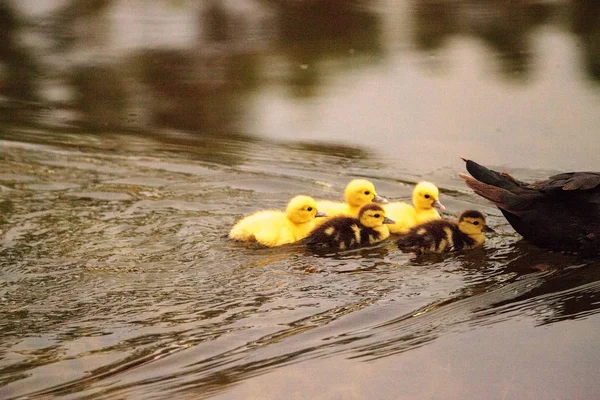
441,235
341,233
357,193
559,213
275,228
425,200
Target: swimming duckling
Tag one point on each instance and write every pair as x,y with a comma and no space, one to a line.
560,213
441,235
425,198
274,228
357,193
341,233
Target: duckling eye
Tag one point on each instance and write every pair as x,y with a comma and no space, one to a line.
475,222
309,208
367,192
377,215
427,196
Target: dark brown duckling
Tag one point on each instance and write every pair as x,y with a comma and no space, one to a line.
341,233
440,236
560,213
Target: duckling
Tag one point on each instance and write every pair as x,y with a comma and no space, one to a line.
274,228
425,198
441,235
340,233
357,193
560,213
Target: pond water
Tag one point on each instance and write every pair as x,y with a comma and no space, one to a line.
132,137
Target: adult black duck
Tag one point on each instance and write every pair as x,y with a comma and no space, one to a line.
559,213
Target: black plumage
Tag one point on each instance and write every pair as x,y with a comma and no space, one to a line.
442,235
560,213
341,233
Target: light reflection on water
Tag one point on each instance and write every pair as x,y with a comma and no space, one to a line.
140,294
115,278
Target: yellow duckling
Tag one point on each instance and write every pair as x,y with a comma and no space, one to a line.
441,235
357,193
340,233
425,198
274,228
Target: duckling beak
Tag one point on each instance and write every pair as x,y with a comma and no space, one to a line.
320,214
439,205
487,229
386,220
379,199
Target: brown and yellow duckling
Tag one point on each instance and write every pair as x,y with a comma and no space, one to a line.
275,228
341,233
441,235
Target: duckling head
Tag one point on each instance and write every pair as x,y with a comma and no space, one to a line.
472,223
303,209
360,192
373,215
425,196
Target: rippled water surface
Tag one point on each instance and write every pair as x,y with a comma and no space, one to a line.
141,134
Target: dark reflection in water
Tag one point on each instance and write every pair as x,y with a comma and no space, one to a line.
69,75
547,295
564,295
201,88
19,71
99,95
504,26
586,25
547,292
313,32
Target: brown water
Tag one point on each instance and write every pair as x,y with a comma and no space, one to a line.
139,134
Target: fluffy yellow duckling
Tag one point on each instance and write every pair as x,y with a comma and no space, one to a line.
340,233
357,193
274,228
425,198
441,235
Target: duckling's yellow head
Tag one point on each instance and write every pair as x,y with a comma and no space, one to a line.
373,215
425,196
360,192
303,209
472,223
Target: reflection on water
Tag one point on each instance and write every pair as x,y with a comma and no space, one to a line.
311,34
503,26
134,134
196,85
110,65
116,279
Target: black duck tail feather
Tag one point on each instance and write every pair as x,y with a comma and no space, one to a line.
502,198
486,175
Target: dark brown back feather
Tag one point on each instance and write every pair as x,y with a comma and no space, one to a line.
433,234
342,234
569,181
